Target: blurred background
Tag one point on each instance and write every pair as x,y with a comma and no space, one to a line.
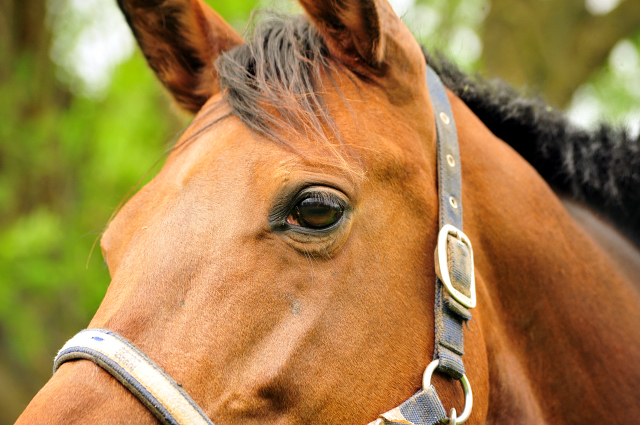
83,122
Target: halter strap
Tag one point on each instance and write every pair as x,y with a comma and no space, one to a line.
139,374
450,313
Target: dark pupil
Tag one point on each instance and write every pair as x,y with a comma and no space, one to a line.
317,212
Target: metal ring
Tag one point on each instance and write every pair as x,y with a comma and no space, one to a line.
453,417
466,387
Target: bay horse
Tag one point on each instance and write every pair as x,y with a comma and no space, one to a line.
280,267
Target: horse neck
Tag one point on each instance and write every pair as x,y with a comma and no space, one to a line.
559,323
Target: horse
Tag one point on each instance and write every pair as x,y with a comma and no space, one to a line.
280,267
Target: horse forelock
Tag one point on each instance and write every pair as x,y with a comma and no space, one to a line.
276,84
275,81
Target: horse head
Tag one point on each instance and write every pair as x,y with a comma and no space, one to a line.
280,266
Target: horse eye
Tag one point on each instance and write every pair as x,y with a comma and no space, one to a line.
316,211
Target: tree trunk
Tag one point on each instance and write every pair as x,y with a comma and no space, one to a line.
552,47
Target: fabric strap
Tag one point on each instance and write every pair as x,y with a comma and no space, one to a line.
139,374
423,408
450,315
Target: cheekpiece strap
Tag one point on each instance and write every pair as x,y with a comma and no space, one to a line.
140,375
450,314
454,265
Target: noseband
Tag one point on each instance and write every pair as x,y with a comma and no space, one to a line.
455,295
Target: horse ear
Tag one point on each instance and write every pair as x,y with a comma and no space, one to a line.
363,33
181,40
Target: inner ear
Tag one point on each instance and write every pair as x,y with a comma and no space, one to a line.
351,29
181,40
365,35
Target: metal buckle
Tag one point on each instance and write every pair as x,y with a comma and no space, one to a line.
453,419
442,265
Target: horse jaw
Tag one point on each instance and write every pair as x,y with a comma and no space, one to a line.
83,393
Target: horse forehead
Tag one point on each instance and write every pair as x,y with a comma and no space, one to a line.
369,133
205,150
224,155
238,161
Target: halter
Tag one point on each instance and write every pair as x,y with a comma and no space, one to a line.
455,295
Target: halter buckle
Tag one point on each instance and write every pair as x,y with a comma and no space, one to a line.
442,265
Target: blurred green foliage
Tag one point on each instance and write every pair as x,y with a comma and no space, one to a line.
64,170
614,89
67,160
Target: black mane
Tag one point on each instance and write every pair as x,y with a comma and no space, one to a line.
600,168
280,69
